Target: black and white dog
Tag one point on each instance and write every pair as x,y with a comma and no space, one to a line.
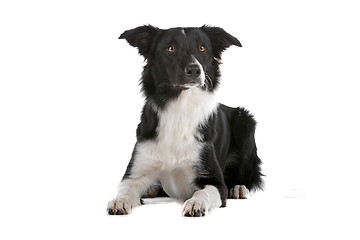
188,146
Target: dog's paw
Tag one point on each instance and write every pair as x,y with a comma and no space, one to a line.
194,208
119,207
239,192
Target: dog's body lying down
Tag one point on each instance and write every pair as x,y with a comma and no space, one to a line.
188,145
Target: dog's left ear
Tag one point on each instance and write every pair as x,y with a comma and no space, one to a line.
220,39
141,37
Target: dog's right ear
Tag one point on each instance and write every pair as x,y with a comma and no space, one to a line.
141,37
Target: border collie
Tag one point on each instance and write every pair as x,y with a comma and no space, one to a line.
188,147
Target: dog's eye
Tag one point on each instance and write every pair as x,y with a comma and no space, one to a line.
202,48
171,49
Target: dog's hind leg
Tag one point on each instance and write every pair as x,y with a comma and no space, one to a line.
242,169
239,192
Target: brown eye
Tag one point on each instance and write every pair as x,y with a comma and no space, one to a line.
171,49
201,48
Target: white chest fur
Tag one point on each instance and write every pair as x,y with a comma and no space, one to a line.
175,151
179,122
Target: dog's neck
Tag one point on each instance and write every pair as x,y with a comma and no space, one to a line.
191,101
182,116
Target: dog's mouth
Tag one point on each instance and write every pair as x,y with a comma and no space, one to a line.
187,85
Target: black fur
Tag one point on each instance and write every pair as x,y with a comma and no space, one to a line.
229,157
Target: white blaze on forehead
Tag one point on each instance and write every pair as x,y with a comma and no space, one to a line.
183,32
195,61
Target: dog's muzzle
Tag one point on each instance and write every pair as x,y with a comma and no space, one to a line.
193,76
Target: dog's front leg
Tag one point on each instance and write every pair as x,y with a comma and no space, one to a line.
213,191
202,201
129,194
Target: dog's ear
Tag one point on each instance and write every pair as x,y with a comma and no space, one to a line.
141,37
220,39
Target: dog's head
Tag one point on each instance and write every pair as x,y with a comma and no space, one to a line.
181,57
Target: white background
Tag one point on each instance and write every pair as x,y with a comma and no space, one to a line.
70,104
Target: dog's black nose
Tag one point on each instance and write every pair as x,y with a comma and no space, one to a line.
193,71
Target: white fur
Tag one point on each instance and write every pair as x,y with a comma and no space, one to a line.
174,153
239,192
183,32
202,201
172,156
